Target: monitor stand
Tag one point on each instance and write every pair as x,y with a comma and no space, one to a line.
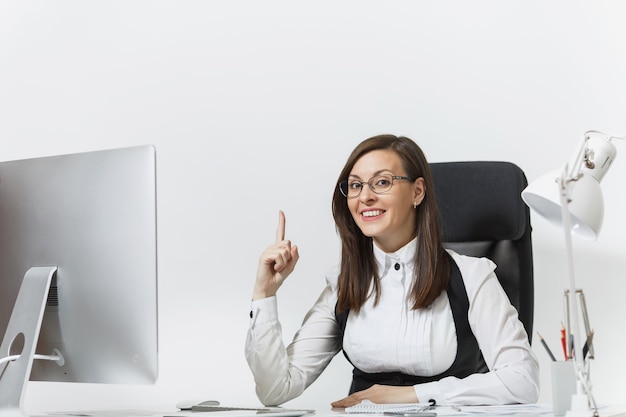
21,337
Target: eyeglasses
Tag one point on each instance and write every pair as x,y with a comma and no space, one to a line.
379,184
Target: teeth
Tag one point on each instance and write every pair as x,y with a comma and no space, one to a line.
372,213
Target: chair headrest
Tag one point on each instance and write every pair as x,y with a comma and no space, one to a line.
480,200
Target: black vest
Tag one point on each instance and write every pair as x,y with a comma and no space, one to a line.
468,360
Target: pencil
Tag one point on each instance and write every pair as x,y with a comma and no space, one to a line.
545,345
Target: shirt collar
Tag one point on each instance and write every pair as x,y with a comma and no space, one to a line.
405,256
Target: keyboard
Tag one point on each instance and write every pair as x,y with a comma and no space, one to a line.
368,407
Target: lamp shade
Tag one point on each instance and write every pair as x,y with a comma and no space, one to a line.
582,188
586,206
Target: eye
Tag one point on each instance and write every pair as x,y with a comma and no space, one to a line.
355,185
382,182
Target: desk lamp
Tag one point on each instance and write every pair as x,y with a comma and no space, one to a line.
572,198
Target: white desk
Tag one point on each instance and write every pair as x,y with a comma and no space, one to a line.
507,411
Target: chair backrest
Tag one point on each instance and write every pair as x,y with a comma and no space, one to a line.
483,214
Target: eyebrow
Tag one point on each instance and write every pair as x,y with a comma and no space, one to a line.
380,171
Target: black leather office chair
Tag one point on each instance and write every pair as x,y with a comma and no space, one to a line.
483,215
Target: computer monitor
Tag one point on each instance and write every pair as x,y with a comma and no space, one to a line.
78,270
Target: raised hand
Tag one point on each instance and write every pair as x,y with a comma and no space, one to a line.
275,263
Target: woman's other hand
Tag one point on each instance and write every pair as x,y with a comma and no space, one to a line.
275,264
380,394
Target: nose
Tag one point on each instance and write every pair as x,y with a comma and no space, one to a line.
366,194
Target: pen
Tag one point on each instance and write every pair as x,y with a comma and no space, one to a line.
545,345
563,342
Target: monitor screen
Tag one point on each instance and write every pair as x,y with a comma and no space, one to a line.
92,216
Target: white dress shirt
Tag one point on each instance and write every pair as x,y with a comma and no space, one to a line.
393,338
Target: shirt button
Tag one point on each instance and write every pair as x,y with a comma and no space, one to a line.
396,267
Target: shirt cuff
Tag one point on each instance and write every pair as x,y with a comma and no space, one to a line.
264,310
429,392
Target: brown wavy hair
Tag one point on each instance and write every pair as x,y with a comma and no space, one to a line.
358,271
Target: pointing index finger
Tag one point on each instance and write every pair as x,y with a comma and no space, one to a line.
280,231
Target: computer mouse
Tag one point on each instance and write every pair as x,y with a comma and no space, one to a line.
188,404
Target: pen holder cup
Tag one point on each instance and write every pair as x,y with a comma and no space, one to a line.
563,386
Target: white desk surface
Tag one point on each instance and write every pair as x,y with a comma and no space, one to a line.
507,410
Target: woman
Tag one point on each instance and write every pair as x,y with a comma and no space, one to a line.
418,322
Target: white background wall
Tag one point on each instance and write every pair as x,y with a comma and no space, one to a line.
254,106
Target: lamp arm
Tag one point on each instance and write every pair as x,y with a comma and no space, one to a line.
574,347
573,305
573,171
608,137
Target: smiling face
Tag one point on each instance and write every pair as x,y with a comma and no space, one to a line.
389,218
